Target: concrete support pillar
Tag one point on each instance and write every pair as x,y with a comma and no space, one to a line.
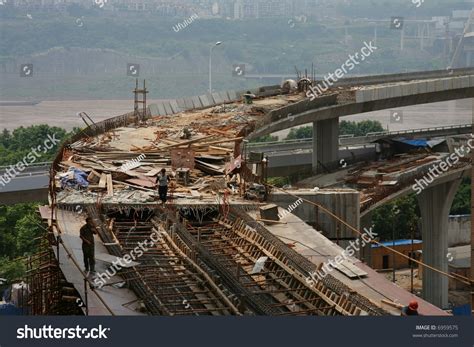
325,144
345,203
435,203
402,38
315,147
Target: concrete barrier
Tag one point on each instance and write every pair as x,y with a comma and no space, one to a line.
188,102
181,104
412,88
233,95
174,106
161,109
196,102
168,109
224,96
366,80
154,110
217,98
204,100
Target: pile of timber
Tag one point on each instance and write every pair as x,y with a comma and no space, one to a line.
201,144
110,170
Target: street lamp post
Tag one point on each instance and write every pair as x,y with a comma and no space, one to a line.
210,64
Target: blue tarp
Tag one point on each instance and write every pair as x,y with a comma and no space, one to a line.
464,310
415,143
10,310
420,142
398,243
79,181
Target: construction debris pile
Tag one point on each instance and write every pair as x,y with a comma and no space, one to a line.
382,178
199,149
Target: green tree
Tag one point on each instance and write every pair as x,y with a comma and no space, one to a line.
361,128
15,145
300,133
28,231
265,138
11,270
462,200
19,226
399,217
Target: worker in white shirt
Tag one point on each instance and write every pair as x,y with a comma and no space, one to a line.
162,181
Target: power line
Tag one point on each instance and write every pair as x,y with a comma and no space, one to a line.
456,277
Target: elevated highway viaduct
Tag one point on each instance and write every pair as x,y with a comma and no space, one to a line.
367,94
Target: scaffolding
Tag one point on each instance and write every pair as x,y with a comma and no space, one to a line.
143,92
49,292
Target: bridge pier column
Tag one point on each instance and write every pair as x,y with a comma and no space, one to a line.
435,203
325,144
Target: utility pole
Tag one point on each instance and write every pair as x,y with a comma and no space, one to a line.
402,38
375,35
210,63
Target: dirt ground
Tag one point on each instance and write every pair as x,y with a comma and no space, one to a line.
402,279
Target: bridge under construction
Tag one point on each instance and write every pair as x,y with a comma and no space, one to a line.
219,246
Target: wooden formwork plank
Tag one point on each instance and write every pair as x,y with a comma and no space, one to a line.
103,181
110,185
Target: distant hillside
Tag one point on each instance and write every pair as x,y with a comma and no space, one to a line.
88,58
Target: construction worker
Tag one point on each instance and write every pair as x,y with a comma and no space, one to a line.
411,309
162,182
248,97
87,236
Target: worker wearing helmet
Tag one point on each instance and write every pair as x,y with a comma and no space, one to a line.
411,309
